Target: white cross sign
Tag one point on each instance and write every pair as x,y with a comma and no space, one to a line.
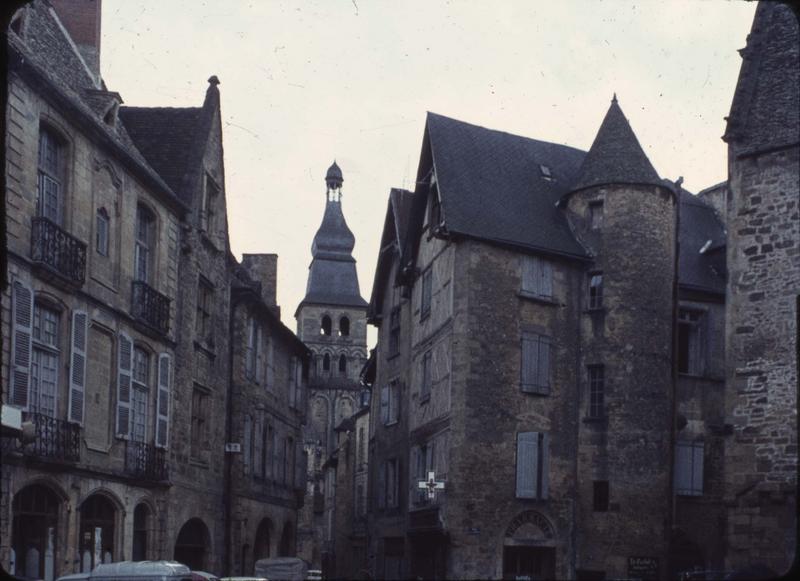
431,485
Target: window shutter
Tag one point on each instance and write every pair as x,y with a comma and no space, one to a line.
259,348
546,280
270,355
683,468
529,274
544,453
163,396
248,443
543,381
697,468
259,445
292,381
248,360
124,369
529,368
385,404
21,344
77,371
382,485
527,464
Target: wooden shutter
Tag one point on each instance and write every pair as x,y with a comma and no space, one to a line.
270,355
543,379
124,373
385,404
529,278
382,485
77,371
527,464
545,278
258,372
163,399
248,360
683,468
544,462
248,443
697,468
259,445
529,362
292,381
21,344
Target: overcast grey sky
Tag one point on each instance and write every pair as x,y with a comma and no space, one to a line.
303,83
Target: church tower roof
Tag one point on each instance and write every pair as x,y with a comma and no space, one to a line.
615,156
332,276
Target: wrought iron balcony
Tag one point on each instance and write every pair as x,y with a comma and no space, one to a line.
59,252
150,306
146,462
53,440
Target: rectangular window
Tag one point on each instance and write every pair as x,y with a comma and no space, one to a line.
425,294
200,415
101,232
203,321
690,335
394,331
425,377
253,354
45,363
535,364
537,277
390,403
596,391
689,468
596,215
208,206
392,484
141,375
145,225
51,168
533,465
600,495
596,290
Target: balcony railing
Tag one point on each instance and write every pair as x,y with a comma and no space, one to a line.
146,462
58,251
54,440
150,306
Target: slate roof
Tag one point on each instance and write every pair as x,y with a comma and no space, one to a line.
166,137
492,188
400,201
765,113
615,156
699,224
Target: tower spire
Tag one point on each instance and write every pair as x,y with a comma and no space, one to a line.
333,181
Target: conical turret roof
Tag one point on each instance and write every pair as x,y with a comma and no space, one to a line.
615,156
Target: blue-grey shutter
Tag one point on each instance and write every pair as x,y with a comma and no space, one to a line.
545,278
124,376
697,468
543,379
162,401
544,455
385,404
527,464
382,485
248,443
21,344
529,368
529,278
683,468
77,371
259,445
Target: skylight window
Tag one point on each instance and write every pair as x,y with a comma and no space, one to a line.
546,173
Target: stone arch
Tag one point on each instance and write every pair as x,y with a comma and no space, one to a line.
529,547
342,364
193,544
144,519
100,527
286,547
262,548
530,527
36,509
687,555
344,326
105,164
326,362
325,325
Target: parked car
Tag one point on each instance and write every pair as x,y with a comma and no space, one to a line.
243,579
314,575
74,577
282,569
203,576
141,571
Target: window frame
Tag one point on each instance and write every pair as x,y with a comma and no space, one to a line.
426,293
199,441
601,494
102,233
203,311
426,379
144,244
44,347
528,369
394,331
536,280
596,378
696,349
51,174
596,212
595,292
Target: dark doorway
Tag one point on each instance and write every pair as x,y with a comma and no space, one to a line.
529,563
141,523
98,519
428,556
263,535
34,532
286,548
193,545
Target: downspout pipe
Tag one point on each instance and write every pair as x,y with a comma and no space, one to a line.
228,438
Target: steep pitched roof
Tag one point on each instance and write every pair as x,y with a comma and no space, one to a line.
615,156
701,259
765,113
492,185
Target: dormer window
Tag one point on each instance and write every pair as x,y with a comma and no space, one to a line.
546,173
596,215
208,206
110,118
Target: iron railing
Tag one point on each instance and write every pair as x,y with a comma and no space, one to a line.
150,306
57,250
53,439
146,462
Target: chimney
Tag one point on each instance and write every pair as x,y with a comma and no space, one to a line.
81,18
263,268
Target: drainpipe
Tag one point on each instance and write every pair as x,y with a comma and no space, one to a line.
228,433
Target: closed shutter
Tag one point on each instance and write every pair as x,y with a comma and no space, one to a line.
529,364
382,485
546,278
124,369
544,462
299,467
385,404
270,363
697,468
248,443
683,468
293,381
163,399
259,347
394,402
21,344
529,274
259,444
527,464
414,465
77,372
543,381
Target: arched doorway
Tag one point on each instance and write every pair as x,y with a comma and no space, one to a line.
193,544
141,527
98,522
34,532
686,554
286,547
529,547
261,548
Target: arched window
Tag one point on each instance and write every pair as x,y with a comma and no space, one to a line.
193,545
98,516
101,232
343,364
141,522
344,326
326,325
262,541
34,532
326,362
144,249
286,548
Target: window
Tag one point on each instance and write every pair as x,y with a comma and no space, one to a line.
45,357
325,327
596,391
533,463
690,327
266,435
596,290
392,483
596,215
101,232
424,464
208,206
326,362
390,403
342,364
51,175
200,415
546,173
425,294
289,459
139,396
600,495
425,377
436,208
145,226
362,448
535,364
394,331
253,355
537,277
688,468
204,301
344,327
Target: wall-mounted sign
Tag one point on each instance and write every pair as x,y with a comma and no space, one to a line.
644,568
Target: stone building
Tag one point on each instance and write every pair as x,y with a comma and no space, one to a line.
331,321
763,254
127,382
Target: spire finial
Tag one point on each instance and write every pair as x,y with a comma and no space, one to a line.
614,98
213,80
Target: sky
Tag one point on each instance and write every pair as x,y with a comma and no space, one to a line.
304,83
